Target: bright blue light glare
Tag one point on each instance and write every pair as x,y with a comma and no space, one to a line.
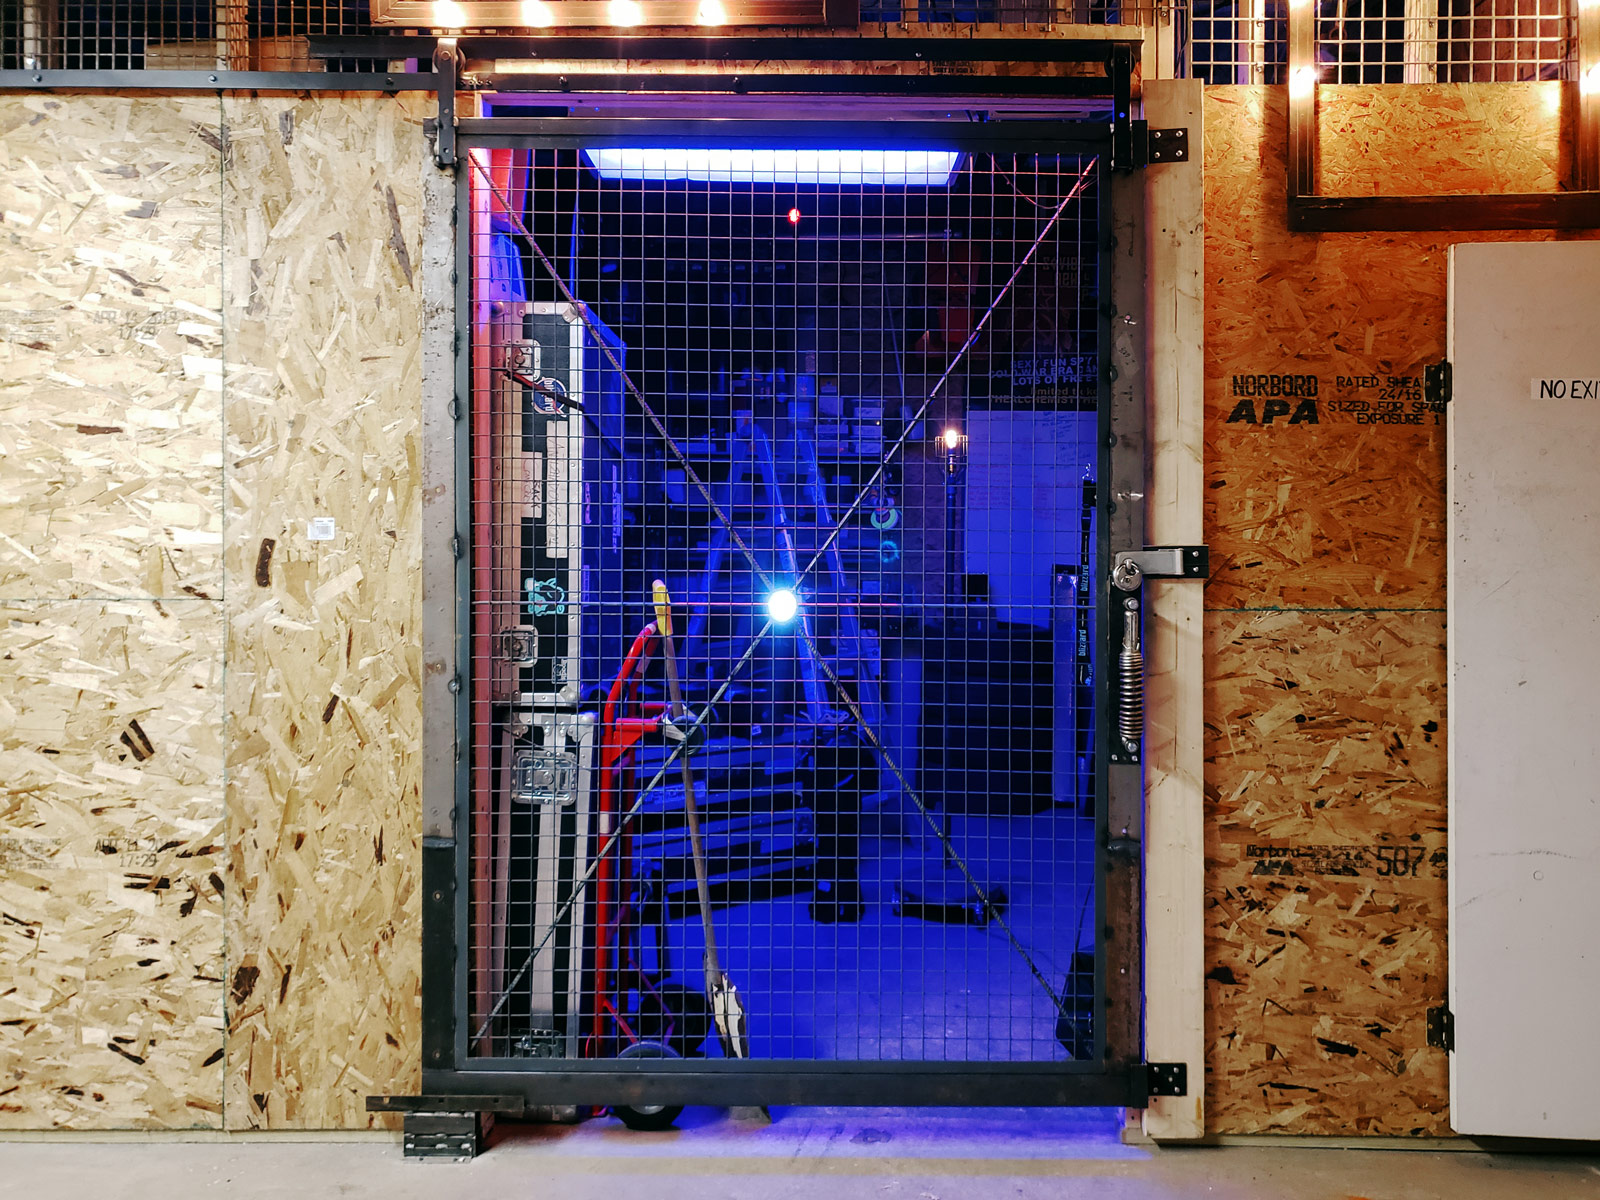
848,168
782,606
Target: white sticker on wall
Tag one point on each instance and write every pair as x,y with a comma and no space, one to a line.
1564,389
320,529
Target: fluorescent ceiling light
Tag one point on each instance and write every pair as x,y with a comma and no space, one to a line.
850,168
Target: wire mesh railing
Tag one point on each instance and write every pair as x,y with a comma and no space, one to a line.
1387,41
177,35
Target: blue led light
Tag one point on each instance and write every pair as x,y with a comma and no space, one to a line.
846,168
782,606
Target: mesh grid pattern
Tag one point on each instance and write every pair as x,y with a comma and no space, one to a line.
1388,41
153,35
744,389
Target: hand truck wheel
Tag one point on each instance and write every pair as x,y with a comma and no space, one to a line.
675,1015
647,1117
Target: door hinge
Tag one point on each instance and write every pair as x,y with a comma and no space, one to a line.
455,545
1166,1079
1436,385
1159,562
1442,1028
447,68
1153,146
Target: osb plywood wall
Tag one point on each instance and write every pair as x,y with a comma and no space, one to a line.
322,218
1325,703
208,722
111,811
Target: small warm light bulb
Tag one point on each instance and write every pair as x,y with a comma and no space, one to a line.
1302,82
711,12
952,439
782,606
1589,81
447,14
794,216
625,12
537,13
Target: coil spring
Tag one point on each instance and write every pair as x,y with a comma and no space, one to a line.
1130,683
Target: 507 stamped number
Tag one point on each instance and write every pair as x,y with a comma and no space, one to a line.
1399,861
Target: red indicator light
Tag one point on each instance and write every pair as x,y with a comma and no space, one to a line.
794,216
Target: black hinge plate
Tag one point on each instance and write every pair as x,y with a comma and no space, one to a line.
1442,1028
1152,147
1437,385
1166,1079
443,1135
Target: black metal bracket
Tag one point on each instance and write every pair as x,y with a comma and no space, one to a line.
1442,1028
447,70
1166,1079
458,1136
1119,65
1154,146
1437,385
1129,567
447,1126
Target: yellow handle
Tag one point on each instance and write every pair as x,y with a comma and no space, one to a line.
663,608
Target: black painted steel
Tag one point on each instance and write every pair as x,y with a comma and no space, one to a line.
664,1081
221,81
1112,1074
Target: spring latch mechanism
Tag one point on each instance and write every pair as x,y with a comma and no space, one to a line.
1130,682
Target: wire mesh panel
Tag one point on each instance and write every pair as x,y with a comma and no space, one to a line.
783,488
153,35
1388,41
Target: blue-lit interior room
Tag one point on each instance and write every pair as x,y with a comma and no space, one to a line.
843,404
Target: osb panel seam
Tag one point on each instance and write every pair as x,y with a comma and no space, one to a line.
322,220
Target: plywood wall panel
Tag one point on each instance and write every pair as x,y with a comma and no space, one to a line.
1325,914
111,861
322,214
110,424
1326,467
1429,139
1325,786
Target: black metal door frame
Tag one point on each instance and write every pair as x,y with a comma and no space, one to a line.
1117,1075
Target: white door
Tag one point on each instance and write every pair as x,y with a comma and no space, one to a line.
1524,688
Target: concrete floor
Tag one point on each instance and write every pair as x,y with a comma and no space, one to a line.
825,1154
